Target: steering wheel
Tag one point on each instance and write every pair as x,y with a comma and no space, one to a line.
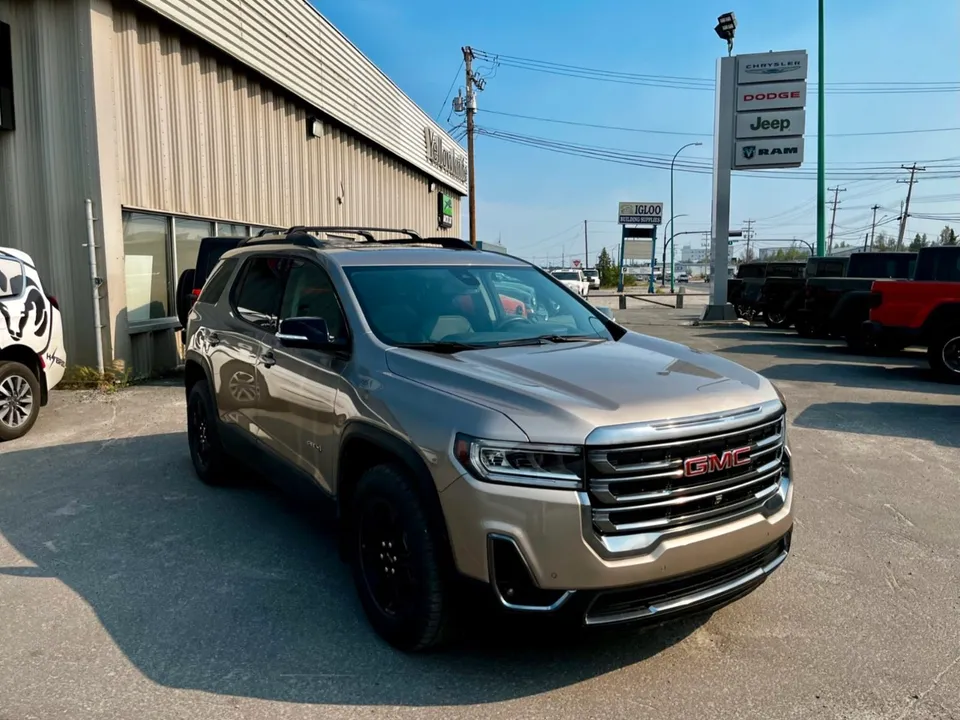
514,319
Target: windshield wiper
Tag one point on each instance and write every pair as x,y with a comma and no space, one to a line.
541,339
441,346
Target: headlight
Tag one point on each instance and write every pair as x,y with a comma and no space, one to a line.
530,464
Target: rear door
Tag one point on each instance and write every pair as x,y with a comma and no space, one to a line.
238,341
298,415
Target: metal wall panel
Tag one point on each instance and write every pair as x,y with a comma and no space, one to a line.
199,134
48,165
292,44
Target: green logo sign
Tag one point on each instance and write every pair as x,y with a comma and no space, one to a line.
445,203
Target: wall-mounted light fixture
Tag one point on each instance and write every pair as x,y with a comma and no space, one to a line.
433,186
314,127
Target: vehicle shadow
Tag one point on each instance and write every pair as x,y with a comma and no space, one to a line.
937,423
878,377
241,592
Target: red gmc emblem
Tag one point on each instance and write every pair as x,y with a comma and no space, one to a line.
703,464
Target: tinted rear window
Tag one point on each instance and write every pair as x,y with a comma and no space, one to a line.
751,271
941,265
785,270
214,287
826,268
211,250
882,265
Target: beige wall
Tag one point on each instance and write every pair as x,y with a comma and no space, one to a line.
200,136
118,105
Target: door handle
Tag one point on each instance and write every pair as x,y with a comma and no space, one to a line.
213,339
268,359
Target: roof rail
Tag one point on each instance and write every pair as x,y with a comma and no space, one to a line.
300,235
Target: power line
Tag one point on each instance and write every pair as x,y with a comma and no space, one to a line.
456,77
704,84
704,134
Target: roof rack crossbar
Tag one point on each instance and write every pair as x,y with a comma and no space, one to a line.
300,235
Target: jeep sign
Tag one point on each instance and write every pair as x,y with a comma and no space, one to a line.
773,123
768,153
771,96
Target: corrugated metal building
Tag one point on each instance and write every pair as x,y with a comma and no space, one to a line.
180,119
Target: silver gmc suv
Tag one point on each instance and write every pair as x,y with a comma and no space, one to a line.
476,422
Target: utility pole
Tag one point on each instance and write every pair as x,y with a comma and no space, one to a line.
833,218
471,172
906,208
873,226
586,247
748,234
821,168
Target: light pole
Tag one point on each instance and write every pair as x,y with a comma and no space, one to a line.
663,277
821,181
693,144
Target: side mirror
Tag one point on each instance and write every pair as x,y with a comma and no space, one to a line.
308,332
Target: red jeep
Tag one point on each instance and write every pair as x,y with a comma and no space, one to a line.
924,311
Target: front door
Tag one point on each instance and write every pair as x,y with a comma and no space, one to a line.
298,415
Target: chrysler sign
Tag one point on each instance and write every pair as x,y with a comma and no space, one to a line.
770,67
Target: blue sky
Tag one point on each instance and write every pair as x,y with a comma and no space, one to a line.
536,200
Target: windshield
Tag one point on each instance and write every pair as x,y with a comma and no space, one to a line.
590,273
567,275
470,306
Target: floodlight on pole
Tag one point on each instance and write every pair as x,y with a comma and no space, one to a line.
726,28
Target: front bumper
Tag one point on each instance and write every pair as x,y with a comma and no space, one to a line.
569,563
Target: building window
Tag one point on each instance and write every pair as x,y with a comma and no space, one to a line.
158,249
232,230
189,235
145,243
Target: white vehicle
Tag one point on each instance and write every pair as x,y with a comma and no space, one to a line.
32,357
593,277
574,280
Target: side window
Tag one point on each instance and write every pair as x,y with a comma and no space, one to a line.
257,299
310,293
218,282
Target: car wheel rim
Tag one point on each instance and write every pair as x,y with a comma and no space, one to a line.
199,430
951,354
385,559
243,387
16,402
775,318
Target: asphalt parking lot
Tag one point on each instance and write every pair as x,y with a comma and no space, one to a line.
130,590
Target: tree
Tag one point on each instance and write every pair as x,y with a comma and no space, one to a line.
881,242
748,255
948,236
919,241
607,270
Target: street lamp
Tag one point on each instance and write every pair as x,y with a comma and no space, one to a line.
663,276
693,144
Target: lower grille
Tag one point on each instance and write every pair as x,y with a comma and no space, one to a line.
669,485
691,592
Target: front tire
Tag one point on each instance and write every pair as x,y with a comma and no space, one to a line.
776,319
19,400
943,353
210,460
400,567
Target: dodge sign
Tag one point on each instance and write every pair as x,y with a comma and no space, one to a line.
641,213
771,96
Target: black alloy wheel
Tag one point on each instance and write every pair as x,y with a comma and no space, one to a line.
385,559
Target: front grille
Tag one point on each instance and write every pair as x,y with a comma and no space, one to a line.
668,485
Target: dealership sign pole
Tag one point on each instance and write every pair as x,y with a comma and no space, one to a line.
759,120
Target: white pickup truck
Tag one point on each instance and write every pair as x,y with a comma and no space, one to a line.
574,280
32,357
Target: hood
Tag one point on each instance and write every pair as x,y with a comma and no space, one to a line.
560,393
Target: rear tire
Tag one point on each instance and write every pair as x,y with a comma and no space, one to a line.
210,460
943,353
400,566
19,400
777,320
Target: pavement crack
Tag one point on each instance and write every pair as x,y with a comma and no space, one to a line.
917,699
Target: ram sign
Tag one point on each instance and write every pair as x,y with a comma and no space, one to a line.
768,153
